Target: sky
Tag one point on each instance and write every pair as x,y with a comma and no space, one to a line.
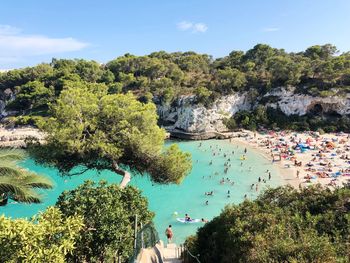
35,31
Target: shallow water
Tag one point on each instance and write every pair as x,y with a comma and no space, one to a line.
187,197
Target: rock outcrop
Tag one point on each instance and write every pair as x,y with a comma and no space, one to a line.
188,120
301,104
189,117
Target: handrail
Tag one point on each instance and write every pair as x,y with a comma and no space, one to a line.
185,249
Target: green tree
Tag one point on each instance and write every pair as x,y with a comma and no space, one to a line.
203,94
97,130
48,237
32,95
18,183
230,80
321,52
284,71
90,71
281,225
109,212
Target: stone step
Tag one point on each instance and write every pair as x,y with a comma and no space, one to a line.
170,254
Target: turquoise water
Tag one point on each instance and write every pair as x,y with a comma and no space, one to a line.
188,197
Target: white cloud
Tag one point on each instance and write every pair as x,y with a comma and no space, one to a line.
200,27
270,29
184,25
15,44
193,27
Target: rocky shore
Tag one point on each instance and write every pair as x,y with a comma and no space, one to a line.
15,137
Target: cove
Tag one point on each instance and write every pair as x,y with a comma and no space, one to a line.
188,197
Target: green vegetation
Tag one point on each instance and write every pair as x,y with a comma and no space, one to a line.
48,237
268,117
97,130
92,223
17,183
316,71
282,225
108,214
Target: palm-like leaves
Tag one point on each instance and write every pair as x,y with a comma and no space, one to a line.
17,183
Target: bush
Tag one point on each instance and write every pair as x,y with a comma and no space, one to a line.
230,123
281,225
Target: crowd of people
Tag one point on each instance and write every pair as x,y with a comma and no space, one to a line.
308,157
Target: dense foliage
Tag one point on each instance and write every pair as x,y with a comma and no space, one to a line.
90,127
108,214
268,117
164,76
281,225
48,237
17,183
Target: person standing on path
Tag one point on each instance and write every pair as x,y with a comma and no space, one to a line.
169,234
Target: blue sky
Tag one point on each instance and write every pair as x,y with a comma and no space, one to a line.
34,31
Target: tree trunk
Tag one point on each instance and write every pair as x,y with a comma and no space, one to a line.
126,175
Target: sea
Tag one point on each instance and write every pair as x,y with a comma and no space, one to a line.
172,201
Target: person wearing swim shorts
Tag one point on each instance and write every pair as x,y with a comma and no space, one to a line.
169,234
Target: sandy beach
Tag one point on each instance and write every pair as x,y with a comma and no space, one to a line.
303,158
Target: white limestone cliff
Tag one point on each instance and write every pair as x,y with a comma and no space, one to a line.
187,116
300,104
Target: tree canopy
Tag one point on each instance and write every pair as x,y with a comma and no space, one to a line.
108,214
49,237
90,127
320,70
281,225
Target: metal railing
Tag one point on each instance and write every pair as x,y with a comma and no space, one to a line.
185,254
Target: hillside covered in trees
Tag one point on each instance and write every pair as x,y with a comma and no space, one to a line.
162,76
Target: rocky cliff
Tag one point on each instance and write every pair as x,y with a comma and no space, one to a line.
186,117
300,104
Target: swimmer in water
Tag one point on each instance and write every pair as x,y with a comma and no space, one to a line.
207,202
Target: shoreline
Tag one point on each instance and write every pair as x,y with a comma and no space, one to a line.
15,137
285,174
310,171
